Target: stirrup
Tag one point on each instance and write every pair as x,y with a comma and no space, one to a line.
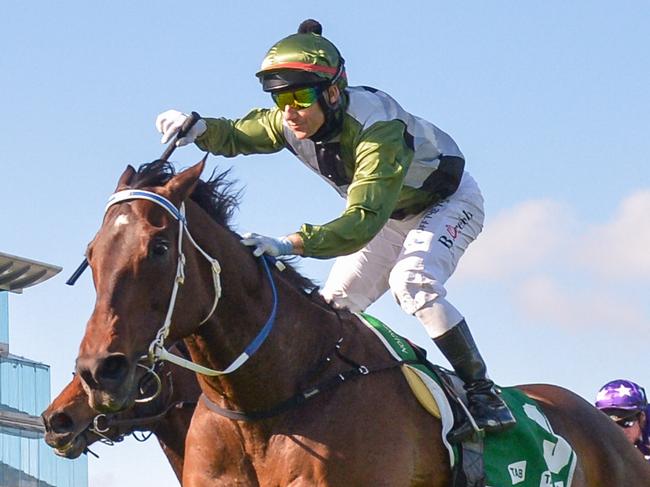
469,429
477,426
465,431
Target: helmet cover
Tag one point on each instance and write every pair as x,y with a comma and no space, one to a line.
621,394
303,59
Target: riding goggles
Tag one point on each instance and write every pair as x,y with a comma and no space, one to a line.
628,422
298,99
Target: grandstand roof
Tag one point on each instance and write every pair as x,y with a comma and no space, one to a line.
18,273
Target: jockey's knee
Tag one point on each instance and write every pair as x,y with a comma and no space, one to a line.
413,289
423,296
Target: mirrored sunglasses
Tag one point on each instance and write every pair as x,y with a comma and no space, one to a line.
298,99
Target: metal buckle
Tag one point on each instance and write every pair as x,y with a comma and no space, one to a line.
96,426
149,370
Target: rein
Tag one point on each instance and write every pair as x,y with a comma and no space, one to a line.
102,423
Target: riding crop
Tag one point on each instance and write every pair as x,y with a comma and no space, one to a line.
171,147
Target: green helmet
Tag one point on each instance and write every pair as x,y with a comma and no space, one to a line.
303,59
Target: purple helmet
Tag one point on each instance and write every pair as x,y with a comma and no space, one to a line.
621,394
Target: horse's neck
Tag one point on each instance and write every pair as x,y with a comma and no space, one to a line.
303,333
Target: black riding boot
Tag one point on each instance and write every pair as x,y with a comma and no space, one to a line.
484,403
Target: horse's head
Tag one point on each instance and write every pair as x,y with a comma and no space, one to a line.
66,420
71,425
134,259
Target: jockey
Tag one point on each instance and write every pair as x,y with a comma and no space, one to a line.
625,402
411,208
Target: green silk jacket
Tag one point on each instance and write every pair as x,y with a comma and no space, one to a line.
386,162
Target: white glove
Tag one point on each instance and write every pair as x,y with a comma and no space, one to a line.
170,122
268,245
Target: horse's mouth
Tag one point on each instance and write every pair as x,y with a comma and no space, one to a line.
73,449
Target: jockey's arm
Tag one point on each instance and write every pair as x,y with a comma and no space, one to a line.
381,162
258,132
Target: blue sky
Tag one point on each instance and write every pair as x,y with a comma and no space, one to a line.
548,101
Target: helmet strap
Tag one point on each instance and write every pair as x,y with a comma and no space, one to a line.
333,116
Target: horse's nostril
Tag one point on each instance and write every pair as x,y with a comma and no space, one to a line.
106,373
60,423
113,368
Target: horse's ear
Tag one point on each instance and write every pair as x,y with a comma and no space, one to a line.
180,187
125,178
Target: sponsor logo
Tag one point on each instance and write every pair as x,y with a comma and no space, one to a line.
398,341
517,471
547,481
454,230
433,211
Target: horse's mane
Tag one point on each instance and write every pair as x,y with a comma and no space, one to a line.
217,197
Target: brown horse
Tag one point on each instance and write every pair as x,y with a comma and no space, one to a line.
72,425
368,431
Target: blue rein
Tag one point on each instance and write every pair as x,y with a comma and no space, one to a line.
268,326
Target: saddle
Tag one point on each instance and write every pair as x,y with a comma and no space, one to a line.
469,470
527,455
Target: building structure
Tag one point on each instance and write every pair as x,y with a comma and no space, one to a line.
25,458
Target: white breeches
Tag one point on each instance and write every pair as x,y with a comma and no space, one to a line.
413,257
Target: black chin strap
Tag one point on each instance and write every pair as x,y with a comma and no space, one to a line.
333,117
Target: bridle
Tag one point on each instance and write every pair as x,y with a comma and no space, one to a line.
157,351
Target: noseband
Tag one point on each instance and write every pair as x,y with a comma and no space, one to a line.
103,423
157,351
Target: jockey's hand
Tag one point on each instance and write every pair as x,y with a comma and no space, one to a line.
268,245
170,122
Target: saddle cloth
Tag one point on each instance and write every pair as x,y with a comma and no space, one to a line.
528,455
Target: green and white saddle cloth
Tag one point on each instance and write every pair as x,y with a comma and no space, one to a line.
528,455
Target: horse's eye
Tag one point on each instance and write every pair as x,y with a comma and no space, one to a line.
159,248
